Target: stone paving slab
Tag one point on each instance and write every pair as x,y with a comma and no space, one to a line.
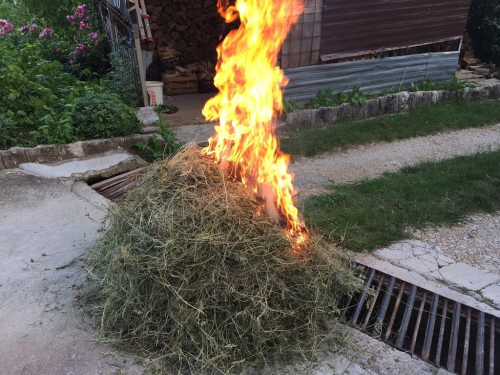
492,292
466,276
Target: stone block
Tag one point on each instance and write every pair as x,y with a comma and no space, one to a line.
325,116
416,100
44,154
372,108
299,119
13,157
147,116
99,146
474,94
435,97
466,276
403,101
2,165
389,104
73,150
449,96
494,91
358,111
344,111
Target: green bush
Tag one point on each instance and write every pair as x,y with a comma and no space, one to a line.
8,131
483,27
103,115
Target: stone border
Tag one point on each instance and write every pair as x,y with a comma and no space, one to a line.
384,105
15,156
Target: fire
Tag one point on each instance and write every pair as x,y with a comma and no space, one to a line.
248,102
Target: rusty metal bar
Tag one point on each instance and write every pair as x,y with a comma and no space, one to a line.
417,324
441,331
430,328
395,310
385,304
466,342
362,298
480,344
452,353
492,346
406,317
368,315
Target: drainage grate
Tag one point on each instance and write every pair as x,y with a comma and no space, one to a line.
439,330
116,187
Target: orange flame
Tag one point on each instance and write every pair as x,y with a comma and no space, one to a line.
249,101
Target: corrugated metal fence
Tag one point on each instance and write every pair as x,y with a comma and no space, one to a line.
371,76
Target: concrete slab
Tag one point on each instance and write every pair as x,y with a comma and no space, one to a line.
466,276
80,167
147,116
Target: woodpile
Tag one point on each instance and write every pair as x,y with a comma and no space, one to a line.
194,77
469,62
188,29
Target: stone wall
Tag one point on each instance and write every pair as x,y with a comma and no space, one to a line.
384,105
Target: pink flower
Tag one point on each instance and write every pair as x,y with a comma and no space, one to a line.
83,25
25,28
71,62
58,50
5,27
46,33
73,23
70,18
94,35
34,27
81,49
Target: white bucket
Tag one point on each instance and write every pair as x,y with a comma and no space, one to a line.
155,92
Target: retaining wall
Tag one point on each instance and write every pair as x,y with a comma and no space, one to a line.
384,105
15,156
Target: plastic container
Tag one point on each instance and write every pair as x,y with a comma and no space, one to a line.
155,92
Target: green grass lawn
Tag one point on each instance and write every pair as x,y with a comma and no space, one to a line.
418,122
372,214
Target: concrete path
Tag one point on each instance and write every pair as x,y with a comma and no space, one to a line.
46,227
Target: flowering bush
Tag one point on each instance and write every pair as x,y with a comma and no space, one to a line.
44,71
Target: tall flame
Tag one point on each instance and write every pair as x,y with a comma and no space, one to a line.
249,101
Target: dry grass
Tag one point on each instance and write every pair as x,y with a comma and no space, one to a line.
192,270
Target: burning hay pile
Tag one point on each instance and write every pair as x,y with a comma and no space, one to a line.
192,269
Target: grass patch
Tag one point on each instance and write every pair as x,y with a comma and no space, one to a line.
418,122
372,214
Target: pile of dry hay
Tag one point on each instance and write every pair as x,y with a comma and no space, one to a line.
192,269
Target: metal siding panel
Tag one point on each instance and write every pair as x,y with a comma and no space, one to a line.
371,76
375,25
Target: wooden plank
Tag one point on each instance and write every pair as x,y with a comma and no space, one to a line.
106,182
167,79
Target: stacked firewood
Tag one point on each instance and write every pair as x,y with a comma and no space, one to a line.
186,28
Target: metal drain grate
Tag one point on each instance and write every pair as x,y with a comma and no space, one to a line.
439,330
